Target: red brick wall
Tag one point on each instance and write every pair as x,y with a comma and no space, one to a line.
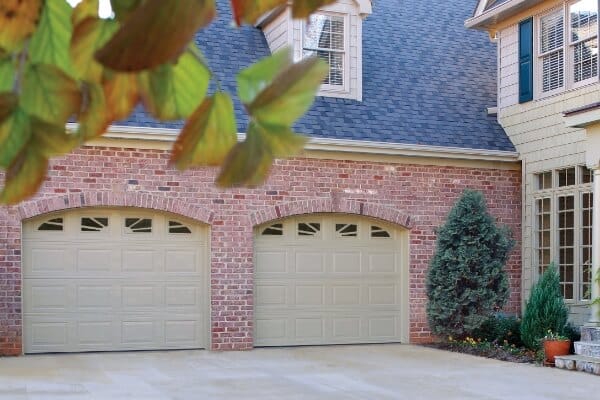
415,196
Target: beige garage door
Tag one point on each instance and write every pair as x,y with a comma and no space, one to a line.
108,280
330,279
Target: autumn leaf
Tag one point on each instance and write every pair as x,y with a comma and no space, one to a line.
90,35
27,171
15,129
249,163
121,91
50,42
155,33
174,91
252,80
208,135
18,21
95,117
290,94
50,94
122,8
85,9
303,8
249,11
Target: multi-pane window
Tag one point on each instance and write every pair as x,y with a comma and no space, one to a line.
568,46
324,37
563,228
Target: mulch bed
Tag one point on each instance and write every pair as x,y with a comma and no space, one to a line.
489,350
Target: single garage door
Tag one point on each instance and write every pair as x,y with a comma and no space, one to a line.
111,280
330,279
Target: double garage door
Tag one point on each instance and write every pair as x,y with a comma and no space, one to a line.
128,279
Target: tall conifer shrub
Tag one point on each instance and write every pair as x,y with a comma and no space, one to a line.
545,309
467,282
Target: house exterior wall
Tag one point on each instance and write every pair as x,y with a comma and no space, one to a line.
538,131
417,195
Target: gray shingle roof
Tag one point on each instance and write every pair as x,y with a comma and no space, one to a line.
426,79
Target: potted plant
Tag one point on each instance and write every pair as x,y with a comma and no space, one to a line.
555,345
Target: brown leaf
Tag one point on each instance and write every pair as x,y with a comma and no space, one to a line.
122,8
85,9
249,11
89,35
155,33
18,20
24,176
15,132
303,8
94,118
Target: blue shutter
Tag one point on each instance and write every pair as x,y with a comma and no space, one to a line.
526,60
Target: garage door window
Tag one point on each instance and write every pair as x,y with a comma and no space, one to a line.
309,228
377,232
178,228
273,230
346,230
138,225
91,224
54,224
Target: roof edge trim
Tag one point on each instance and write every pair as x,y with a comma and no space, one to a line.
333,145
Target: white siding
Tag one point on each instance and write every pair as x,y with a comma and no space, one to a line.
277,32
538,132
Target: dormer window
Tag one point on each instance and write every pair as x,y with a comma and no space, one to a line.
325,37
334,33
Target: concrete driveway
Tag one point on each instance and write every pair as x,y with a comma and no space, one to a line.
345,372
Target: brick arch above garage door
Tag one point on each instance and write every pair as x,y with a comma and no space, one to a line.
332,205
138,199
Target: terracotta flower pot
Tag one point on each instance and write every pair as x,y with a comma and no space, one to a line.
553,348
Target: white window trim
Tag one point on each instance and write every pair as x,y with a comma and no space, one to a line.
553,194
568,59
335,90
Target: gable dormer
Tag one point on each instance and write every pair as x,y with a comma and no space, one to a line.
334,33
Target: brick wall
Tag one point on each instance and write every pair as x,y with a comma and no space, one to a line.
416,196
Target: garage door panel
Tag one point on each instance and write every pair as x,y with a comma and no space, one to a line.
344,285
115,289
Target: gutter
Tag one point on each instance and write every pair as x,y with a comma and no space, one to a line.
166,135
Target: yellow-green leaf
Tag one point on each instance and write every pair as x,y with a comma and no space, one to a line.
303,8
249,11
252,80
291,94
85,9
15,130
95,117
90,35
24,176
174,91
8,103
50,42
18,20
7,73
208,135
50,94
248,164
27,170
155,33
122,94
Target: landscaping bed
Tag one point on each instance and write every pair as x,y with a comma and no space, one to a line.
502,352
